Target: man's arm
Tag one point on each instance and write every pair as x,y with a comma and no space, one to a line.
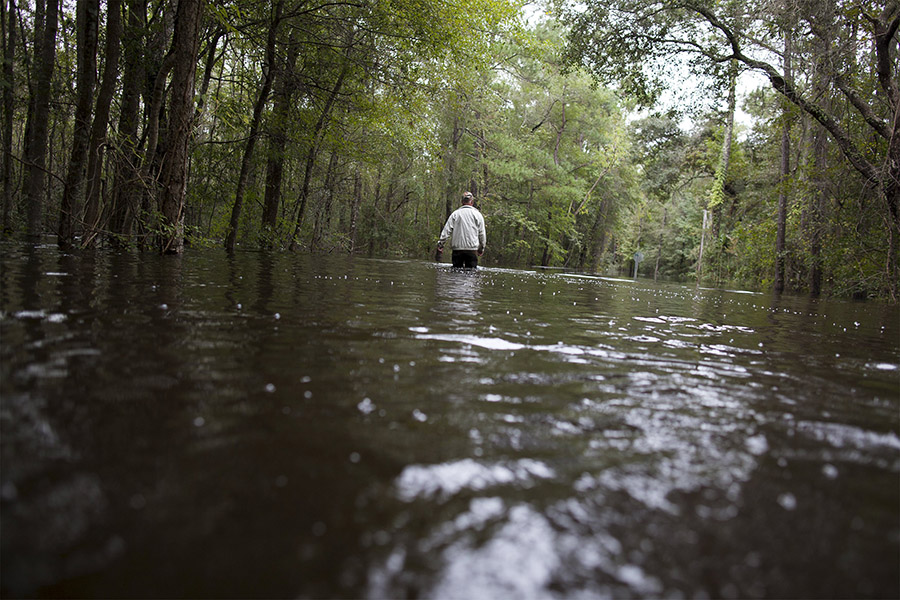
447,231
482,236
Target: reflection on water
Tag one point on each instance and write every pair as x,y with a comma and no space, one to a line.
268,425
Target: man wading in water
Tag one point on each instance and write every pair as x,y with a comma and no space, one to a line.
465,230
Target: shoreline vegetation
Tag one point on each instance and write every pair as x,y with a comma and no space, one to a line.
354,127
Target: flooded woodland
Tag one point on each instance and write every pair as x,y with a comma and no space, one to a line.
228,371
263,424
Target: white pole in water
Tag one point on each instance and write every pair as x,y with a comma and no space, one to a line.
700,258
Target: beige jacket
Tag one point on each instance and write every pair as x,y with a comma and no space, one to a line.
464,229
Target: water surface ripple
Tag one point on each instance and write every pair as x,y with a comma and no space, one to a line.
277,425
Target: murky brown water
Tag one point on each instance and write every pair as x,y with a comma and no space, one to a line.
281,426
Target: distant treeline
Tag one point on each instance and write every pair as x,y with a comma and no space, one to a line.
355,126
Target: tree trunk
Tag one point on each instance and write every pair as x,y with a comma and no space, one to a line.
207,71
818,148
268,74
8,19
101,120
87,20
886,28
785,175
817,211
450,159
377,197
150,164
702,244
717,195
126,190
318,134
284,94
891,192
323,217
548,254
659,244
157,56
559,133
354,208
36,155
185,45
209,165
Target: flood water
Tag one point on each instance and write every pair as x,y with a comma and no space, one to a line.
281,425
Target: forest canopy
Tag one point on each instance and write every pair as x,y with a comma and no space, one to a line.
355,127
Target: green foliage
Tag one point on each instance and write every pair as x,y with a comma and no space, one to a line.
840,79
397,106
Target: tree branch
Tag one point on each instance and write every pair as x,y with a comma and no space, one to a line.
544,119
885,28
864,109
849,149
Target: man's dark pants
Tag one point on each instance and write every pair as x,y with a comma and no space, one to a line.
464,259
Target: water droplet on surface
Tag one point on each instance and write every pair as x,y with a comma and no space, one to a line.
9,492
757,444
787,501
366,406
382,537
270,387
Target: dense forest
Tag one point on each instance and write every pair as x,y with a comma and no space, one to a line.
749,144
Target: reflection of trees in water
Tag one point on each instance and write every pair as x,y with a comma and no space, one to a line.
170,467
264,285
49,508
457,290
